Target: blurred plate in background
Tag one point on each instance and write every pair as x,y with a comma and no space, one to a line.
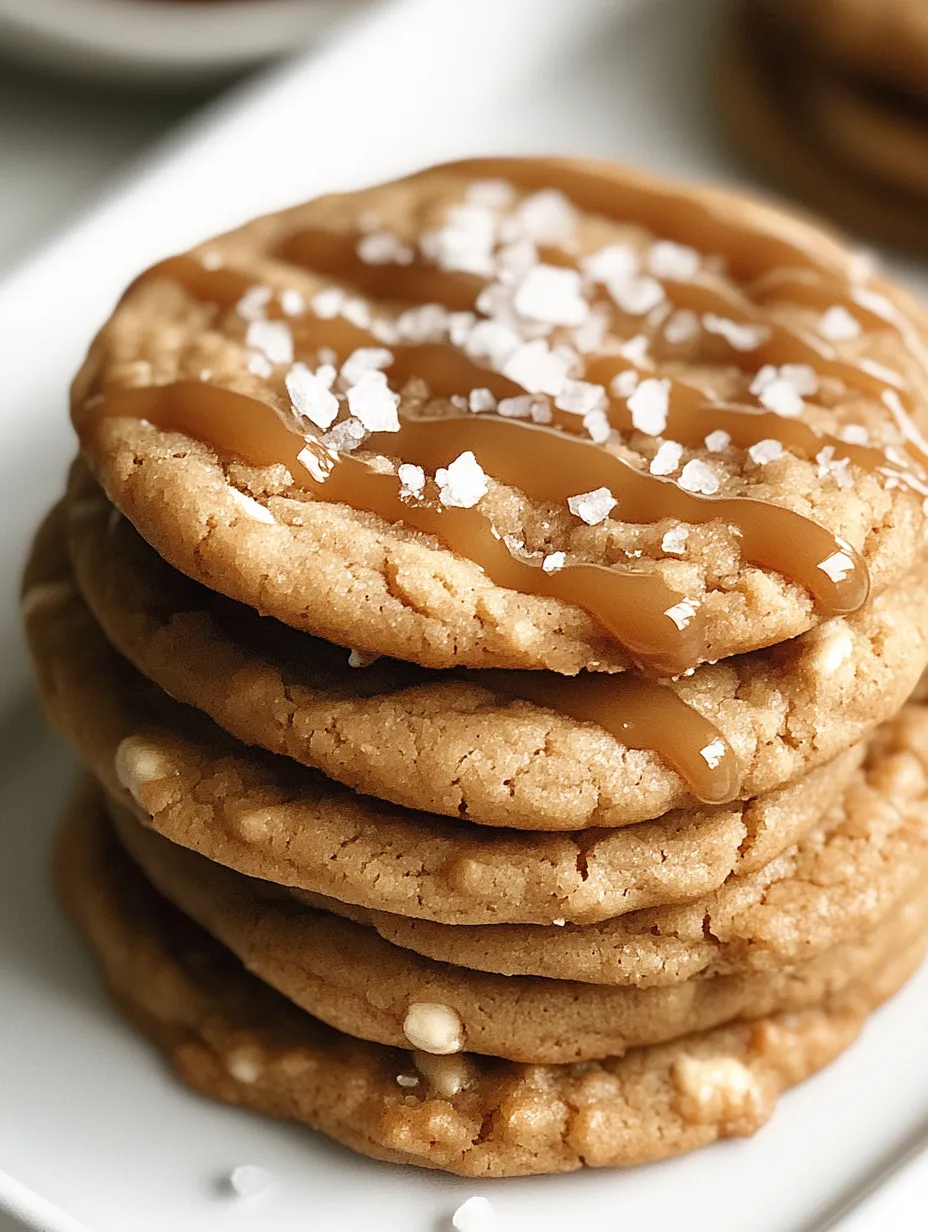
163,41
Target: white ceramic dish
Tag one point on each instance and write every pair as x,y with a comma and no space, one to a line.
95,1136
168,41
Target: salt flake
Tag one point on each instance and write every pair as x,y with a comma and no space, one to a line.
649,405
311,394
462,483
592,507
838,325
667,458
384,248
675,261
553,295
373,402
765,451
272,339
696,476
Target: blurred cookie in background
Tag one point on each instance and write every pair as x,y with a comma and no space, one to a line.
824,101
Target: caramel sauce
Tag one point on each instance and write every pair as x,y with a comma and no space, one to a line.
641,714
632,606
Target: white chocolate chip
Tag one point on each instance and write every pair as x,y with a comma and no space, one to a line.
137,763
448,1075
434,1028
245,1064
720,1090
251,508
831,647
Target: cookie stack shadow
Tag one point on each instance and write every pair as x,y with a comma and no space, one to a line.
499,999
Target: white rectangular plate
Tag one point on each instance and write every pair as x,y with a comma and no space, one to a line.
94,1133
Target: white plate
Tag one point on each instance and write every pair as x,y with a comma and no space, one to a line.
164,40
93,1129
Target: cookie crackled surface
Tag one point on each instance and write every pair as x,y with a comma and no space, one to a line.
471,419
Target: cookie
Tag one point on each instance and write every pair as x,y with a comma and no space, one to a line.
351,978
237,1041
547,414
450,743
837,882
767,98
272,818
885,41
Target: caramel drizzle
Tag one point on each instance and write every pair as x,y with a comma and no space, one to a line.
641,714
631,605
447,371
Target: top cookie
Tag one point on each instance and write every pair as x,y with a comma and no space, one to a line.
523,414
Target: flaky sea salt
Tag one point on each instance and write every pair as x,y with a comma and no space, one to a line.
740,336
412,479
475,1215
249,1179
838,325
682,613
554,561
362,361
580,397
592,507
674,541
480,400
765,451
547,217
311,394
553,295
272,339
696,476
327,304
384,248
253,304
649,405
537,368
675,261
597,426
490,194
465,242
462,483
373,402
667,458
624,383
617,261
718,441
635,295
681,327
492,342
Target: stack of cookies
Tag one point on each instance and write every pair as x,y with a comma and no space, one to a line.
488,607
830,99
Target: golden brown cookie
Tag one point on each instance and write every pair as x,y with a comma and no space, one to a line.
870,853
448,742
234,1039
273,818
882,40
791,120
350,977
611,421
